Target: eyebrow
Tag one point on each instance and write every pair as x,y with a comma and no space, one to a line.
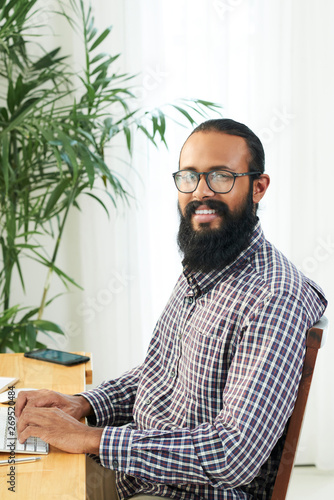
217,167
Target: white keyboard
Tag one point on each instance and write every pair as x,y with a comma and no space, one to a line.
8,439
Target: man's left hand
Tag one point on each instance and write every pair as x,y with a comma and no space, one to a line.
58,429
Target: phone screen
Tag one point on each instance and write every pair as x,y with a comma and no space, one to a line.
54,356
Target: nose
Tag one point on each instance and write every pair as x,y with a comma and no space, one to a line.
202,190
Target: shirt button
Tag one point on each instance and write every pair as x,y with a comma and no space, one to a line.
173,374
148,401
115,464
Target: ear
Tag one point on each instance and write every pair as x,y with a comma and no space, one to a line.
260,186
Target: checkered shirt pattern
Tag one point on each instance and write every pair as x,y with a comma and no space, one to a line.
201,418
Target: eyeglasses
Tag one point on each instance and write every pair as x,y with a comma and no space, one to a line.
219,181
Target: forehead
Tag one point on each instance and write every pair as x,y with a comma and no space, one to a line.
207,149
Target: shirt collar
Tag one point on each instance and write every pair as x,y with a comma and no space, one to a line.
200,282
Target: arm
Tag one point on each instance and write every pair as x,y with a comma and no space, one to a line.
112,401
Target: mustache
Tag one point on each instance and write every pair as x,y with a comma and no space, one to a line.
219,206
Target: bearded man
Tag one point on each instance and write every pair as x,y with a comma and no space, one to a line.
204,416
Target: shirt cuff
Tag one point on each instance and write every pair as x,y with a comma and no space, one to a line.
103,409
115,448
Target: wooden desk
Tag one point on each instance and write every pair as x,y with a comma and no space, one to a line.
58,475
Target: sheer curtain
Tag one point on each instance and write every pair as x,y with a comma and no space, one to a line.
270,65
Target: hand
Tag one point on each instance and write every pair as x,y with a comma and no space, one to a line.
58,429
76,406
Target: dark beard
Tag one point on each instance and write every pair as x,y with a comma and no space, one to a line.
209,249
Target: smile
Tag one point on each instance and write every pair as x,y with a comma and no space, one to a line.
205,212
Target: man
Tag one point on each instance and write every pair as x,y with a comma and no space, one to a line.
205,412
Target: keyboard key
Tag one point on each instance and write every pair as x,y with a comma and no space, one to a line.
30,444
20,446
41,446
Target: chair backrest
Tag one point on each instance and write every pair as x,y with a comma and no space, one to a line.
314,340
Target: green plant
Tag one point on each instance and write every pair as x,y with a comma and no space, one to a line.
53,139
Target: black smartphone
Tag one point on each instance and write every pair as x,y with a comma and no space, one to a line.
59,357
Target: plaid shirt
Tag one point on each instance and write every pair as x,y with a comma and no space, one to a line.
206,409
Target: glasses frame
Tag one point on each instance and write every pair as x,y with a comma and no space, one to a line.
206,174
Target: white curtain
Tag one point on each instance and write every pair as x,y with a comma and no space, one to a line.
270,65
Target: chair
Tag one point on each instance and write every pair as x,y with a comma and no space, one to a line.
315,339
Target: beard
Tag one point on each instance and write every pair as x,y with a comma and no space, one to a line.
209,249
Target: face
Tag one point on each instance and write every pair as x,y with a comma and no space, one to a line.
215,228
209,150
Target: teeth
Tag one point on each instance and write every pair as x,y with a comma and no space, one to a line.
205,212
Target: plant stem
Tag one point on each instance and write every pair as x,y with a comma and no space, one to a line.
55,251
87,62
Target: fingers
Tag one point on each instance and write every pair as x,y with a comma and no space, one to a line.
40,398
29,424
21,402
29,431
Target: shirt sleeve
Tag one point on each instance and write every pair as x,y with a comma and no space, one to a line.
258,399
113,400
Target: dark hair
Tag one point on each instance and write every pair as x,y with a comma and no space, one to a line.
231,127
